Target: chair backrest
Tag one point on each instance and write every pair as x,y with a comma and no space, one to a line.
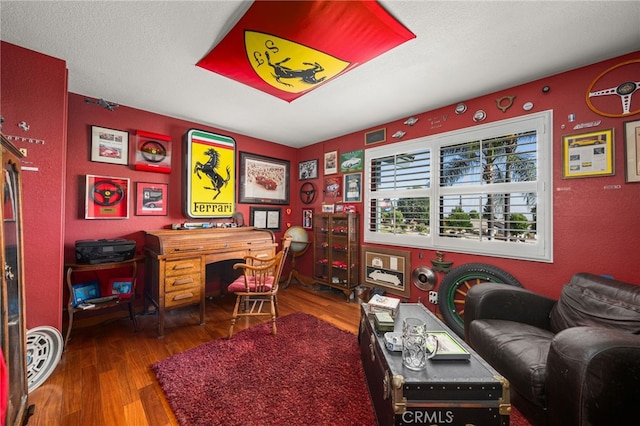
263,274
286,243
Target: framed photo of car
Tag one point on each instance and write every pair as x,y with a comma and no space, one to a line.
332,188
588,154
263,180
387,269
351,161
330,162
151,199
109,145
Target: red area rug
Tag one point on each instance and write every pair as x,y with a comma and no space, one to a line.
308,374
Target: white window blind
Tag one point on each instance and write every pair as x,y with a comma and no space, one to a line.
483,190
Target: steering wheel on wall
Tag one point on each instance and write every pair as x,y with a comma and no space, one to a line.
153,152
107,193
308,193
624,90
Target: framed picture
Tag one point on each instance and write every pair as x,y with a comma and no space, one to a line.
308,170
588,154
328,208
332,187
152,199
121,286
106,197
109,145
351,161
307,218
84,291
263,180
632,153
375,136
265,218
353,188
388,269
330,162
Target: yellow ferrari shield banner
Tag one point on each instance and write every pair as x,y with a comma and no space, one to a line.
287,65
210,174
289,48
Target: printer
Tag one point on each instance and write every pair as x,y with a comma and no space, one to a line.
105,250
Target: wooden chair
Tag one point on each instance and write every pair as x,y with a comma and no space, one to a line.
257,287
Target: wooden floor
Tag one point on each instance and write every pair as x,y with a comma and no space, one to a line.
104,376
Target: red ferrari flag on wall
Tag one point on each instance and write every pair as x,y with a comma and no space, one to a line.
288,48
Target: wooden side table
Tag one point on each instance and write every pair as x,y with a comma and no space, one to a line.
72,268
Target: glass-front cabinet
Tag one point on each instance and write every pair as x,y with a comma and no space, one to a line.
13,329
336,259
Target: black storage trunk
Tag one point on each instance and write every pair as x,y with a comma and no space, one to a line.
447,392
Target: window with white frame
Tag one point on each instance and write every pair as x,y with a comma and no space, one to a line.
484,190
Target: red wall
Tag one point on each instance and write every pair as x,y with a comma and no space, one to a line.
34,90
82,116
596,221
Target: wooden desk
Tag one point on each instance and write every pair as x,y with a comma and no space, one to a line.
72,268
176,261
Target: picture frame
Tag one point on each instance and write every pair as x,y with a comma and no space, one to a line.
152,152
308,170
388,269
352,161
328,208
265,218
589,154
122,287
332,187
263,180
307,218
152,199
84,291
106,197
632,150
352,188
109,145
375,136
330,162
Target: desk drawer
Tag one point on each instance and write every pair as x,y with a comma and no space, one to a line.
182,282
183,266
189,296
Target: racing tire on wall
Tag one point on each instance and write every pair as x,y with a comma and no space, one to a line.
457,283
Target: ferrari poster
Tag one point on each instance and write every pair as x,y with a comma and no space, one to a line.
210,173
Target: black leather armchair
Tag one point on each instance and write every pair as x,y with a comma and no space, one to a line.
575,361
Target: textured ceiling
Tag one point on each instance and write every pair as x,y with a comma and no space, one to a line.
143,54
